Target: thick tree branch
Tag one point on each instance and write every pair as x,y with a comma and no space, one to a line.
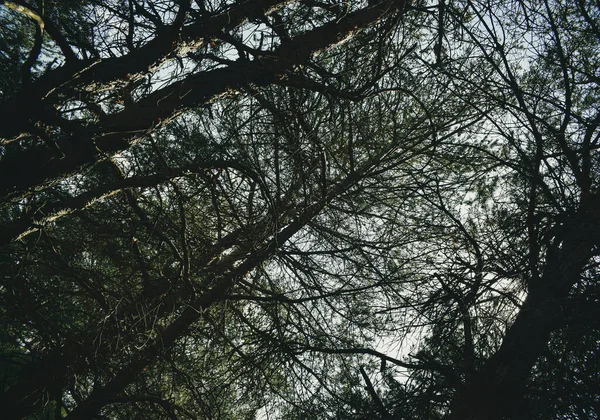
373,393
121,130
30,103
496,390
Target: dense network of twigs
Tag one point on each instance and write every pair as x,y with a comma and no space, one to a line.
264,209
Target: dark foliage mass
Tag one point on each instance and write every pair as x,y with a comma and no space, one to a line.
260,209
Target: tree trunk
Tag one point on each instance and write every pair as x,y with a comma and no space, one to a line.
496,392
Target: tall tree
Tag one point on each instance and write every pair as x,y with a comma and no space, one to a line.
136,251
300,209
504,272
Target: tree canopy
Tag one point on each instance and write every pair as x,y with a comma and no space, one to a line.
260,209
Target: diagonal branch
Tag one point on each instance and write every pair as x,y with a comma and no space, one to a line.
120,131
